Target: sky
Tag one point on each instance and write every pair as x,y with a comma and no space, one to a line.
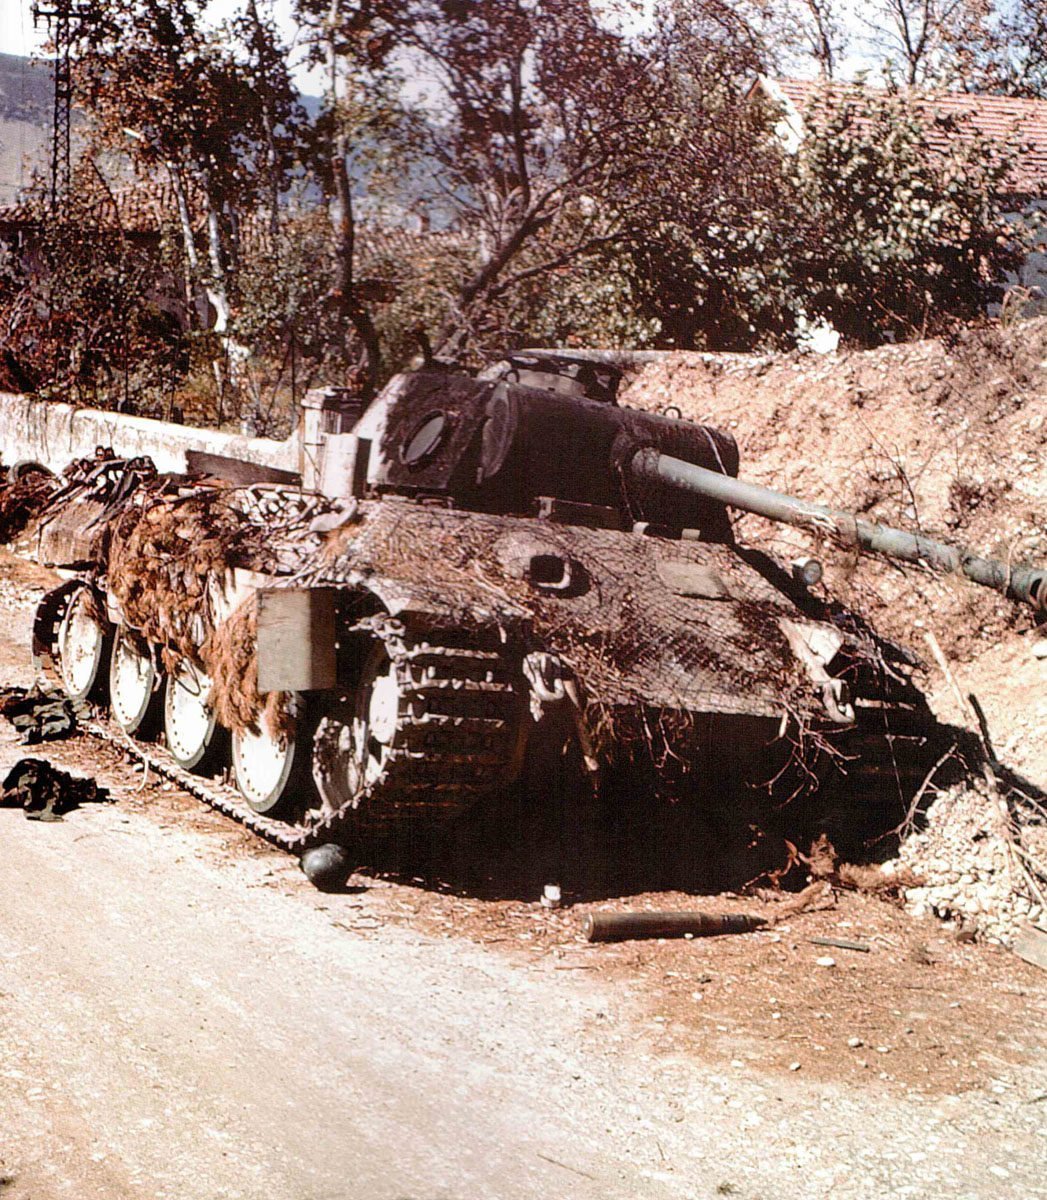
18,36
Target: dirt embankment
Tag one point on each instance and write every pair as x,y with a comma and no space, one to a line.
947,439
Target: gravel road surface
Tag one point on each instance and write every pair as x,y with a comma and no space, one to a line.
179,1019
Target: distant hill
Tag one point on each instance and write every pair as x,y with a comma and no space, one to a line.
26,92
26,98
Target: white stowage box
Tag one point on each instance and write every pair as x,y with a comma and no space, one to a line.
296,639
344,469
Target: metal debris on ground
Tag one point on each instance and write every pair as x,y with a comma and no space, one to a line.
1031,946
618,927
327,867
38,715
45,792
841,944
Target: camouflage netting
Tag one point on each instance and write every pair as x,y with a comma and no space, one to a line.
166,554
171,555
647,659
646,656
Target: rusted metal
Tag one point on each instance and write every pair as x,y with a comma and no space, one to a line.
842,944
621,927
468,565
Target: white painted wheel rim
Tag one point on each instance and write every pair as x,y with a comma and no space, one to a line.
131,681
375,722
262,765
353,741
188,718
81,641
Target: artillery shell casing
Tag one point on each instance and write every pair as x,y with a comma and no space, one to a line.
617,927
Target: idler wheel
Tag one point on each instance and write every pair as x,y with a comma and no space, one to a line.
272,770
194,737
327,867
82,647
134,697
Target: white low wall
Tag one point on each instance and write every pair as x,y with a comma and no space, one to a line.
54,434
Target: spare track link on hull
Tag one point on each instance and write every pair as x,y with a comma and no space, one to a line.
459,735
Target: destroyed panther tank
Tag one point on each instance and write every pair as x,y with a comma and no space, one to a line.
469,582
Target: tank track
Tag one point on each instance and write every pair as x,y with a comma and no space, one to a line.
458,733
215,793
458,736
880,771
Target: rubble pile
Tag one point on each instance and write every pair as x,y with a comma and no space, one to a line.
980,862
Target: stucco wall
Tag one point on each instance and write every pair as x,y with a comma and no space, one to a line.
54,434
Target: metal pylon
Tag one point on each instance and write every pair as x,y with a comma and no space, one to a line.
63,18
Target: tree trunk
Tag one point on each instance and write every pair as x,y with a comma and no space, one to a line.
349,308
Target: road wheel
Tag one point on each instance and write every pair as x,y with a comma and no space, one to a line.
272,771
134,695
355,740
83,645
195,740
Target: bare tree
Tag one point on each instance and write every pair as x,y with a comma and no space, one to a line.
819,31
1015,60
930,41
531,108
353,41
215,117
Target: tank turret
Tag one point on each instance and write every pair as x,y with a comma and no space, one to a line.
507,446
544,435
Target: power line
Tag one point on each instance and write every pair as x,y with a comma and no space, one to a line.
64,18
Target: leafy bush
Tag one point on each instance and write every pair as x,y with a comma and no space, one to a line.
903,230
89,314
888,223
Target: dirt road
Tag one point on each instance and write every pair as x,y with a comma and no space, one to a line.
182,1015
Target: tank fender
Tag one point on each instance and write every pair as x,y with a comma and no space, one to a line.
815,646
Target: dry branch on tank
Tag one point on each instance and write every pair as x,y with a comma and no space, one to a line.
22,500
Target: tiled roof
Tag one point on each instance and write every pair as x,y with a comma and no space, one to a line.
1015,124
145,208
380,243
140,208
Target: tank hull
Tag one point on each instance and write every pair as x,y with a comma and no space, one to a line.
420,653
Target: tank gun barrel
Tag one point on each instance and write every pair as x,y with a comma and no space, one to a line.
1024,583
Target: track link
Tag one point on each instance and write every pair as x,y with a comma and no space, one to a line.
459,732
214,792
